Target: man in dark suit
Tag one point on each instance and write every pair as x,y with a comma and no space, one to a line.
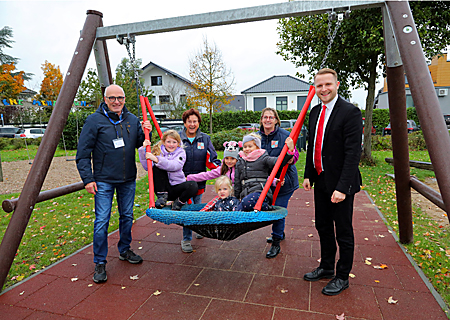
334,150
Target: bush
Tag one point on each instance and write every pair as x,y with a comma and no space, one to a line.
381,143
219,138
4,143
416,141
71,132
17,143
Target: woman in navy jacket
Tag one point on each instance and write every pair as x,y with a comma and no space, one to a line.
272,139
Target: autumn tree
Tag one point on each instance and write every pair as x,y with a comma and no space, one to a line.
358,50
11,82
126,79
52,83
212,82
11,79
89,89
177,102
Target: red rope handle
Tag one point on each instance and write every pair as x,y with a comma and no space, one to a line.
149,162
294,135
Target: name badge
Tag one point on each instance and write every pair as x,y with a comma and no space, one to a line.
200,145
118,143
274,144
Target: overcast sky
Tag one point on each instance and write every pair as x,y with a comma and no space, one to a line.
48,30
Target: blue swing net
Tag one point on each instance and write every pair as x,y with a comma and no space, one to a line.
221,225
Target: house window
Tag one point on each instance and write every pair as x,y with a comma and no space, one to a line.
156,81
301,101
183,99
164,99
259,103
281,103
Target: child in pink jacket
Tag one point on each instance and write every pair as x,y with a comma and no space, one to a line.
230,158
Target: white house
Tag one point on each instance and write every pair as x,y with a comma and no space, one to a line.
279,92
167,86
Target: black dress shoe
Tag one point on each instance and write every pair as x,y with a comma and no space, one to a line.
273,251
270,239
335,286
318,274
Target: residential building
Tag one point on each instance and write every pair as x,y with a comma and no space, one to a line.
440,74
279,92
168,87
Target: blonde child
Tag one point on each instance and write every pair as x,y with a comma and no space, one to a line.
224,201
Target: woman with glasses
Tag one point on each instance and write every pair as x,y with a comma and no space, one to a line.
200,154
272,139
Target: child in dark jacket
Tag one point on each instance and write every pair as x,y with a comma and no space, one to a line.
224,201
253,169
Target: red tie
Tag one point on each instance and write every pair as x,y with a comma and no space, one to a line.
318,146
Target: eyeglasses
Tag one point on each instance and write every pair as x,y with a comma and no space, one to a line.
112,99
268,118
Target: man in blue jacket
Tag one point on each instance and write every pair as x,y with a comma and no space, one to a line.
110,137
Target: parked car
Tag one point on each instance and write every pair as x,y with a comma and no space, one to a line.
411,125
8,132
177,128
249,126
373,129
287,123
32,133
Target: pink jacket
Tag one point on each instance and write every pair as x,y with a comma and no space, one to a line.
209,175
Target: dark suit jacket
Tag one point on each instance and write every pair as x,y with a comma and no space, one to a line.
341,149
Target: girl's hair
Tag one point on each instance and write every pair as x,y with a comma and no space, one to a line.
156,149
221,181
275,113
252,137
224,169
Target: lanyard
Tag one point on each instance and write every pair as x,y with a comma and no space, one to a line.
114,122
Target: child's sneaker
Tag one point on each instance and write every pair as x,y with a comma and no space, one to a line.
186,246
177,204
162,199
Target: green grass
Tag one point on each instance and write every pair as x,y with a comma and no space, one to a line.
61,226
11,155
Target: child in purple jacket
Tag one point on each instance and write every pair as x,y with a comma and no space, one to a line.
169,182
230,158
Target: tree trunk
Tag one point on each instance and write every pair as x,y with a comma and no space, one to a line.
210,120
367,150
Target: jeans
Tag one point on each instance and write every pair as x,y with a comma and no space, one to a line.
278,226
187,233
103,203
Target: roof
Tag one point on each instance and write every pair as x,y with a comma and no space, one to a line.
176,75
279,84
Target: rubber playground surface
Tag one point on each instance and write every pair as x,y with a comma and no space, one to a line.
232,280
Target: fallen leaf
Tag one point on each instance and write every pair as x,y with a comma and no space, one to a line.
196,284
73,279
381,236
310,235
90,285
391,300
140,248
377,281
351,275
19,278
381,266
367,239
283,291
21,293
158,234
134,277
154,221
33,266
123,288
368,262
74,264
341,317
157,293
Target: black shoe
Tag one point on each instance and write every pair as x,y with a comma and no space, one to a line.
273,251
198,236
162,199
335,286
269,240
130,256
177,204
100,273
318,274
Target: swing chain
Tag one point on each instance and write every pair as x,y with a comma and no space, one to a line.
331,35
130,38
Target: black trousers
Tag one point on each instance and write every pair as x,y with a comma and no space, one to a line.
183,191
334,224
